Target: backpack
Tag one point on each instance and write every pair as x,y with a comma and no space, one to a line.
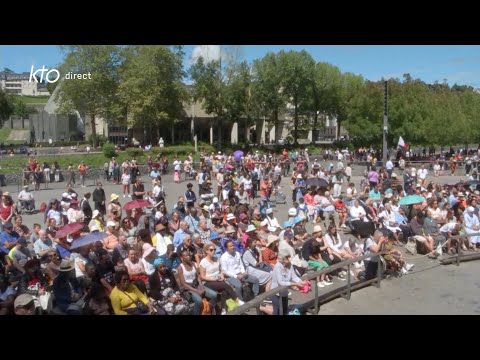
247,292
43,207
206,307
411,246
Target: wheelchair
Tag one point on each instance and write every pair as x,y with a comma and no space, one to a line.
23,210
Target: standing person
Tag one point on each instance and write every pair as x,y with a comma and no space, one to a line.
46,172
190,197
99,199
126,182
57,171
86,208
71,175
138,189
82,169
283,275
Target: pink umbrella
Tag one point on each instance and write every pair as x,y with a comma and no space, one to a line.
136,204
69,229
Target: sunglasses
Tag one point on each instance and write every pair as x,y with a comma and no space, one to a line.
210,249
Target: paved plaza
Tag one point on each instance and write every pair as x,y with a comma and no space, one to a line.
431,288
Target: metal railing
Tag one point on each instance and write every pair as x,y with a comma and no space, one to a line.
344,291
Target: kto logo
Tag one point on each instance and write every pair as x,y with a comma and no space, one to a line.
33,75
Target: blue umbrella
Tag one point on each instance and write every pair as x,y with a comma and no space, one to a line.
411,199
238,155
88,239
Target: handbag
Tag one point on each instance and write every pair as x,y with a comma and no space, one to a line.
264,267
139,309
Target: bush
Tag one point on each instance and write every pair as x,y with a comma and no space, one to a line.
101,140
109,150
135,152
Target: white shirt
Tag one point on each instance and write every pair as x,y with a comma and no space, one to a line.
25,195
355,212
422,173
232,264
389,165
178,165
211,270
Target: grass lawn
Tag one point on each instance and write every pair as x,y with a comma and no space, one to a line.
4,134
34,99
17,163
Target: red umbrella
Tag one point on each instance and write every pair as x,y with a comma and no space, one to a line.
136,204
69,229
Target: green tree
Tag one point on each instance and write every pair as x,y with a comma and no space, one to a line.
323,92
270,101
297,70
6,106
346,101
151,88
92,97
209,87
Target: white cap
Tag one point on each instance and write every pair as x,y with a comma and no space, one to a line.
95,213
470,209
230,217
269,211
292,212
215,199
111,223
64,195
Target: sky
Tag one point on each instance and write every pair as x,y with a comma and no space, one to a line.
458,64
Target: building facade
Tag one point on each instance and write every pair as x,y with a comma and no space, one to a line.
20,84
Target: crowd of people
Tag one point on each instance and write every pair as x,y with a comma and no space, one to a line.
221,243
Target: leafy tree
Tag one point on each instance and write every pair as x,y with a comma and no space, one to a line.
152,89
345,100
297,71
6,106
209,87
323,92
92,97
267,89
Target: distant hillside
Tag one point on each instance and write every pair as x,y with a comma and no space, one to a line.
34,99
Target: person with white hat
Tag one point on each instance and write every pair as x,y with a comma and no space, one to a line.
273,224
114,210
96,221
111,241
472,225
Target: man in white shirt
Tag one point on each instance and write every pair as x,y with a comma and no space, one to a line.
422,176
26,199
389,168
273,224
232,266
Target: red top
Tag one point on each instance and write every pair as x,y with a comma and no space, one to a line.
5,211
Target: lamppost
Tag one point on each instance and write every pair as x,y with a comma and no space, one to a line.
385,124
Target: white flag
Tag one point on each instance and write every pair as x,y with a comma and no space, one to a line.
401,142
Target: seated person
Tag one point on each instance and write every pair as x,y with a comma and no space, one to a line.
26,199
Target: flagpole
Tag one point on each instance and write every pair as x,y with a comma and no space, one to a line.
385,125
